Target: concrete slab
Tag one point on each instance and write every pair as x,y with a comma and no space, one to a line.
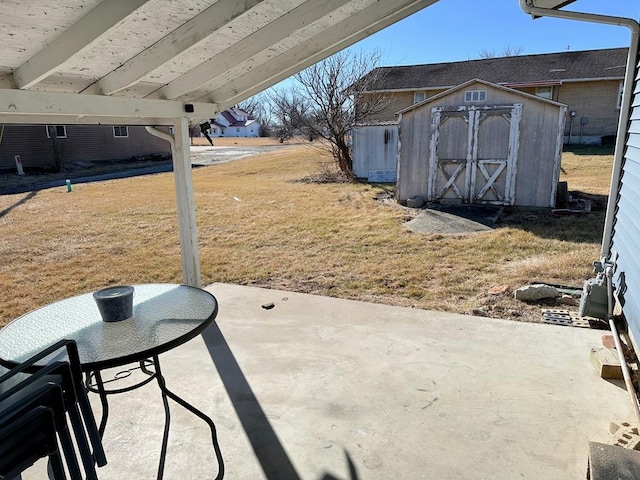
452,219
323,388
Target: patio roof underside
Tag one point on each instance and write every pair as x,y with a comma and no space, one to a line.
141,61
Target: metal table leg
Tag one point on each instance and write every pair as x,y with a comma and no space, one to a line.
97,386
168,393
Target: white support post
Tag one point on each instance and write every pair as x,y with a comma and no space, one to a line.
186,203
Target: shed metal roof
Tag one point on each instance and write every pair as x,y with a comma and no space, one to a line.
140,61
550,67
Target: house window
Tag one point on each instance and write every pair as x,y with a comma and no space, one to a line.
620,95
214,130
475,96
61,131
418,97
120,131
545,92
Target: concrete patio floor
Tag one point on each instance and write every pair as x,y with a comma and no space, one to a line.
324,388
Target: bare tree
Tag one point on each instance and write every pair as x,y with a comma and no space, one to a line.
328,99
258,107
292,111
339,90
508,51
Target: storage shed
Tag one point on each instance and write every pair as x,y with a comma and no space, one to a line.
481,143
375,151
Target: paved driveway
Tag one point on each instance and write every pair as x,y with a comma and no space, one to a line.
211,155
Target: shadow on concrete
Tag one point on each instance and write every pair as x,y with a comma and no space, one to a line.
353,472
22,201
265,442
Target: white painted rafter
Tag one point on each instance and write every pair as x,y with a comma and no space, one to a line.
107,16
359,25
23,104
268,35
177,42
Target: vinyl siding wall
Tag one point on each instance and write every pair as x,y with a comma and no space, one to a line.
399,101
626,234
83,142
595,100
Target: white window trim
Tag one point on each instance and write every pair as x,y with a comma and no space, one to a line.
418,94
620,94
126,129
549,93
64,129
470,93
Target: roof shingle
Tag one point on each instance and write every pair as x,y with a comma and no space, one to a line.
563,66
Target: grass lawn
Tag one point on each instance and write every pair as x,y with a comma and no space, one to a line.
259,224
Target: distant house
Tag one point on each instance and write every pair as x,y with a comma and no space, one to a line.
35,147
588,82
234,122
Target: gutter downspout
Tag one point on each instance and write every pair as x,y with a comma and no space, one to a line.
617,161
156,132
618,156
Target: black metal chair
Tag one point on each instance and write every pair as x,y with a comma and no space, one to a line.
21,384
18,405
25,440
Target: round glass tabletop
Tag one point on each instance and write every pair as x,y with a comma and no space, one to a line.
164,316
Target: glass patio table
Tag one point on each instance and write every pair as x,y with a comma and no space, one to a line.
165,316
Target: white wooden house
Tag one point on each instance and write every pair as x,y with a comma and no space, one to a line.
234,122
481,143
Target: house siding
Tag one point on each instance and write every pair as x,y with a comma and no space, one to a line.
595,100
626,230
399,101
83,142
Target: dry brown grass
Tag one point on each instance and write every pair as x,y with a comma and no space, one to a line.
259,225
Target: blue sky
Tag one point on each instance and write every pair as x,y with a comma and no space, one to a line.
456,30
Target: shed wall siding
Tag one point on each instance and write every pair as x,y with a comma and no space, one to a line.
82,143
536,179
626,233
375,148
413,160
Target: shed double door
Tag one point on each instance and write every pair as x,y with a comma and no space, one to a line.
474,154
